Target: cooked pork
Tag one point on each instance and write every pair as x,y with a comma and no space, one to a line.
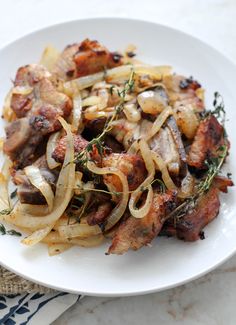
189,227
207,141
134,233
26,192
38,114
85,58
131,165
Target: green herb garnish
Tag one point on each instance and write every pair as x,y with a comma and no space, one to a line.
10,232
83,157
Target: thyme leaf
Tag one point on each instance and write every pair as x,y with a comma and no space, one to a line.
10,232
84,156
214,166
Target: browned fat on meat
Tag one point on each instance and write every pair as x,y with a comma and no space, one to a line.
189,227
85,58
134,233
131,165
208,139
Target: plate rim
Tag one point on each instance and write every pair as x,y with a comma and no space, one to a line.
5,45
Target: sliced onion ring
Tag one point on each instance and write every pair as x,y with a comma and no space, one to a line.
51,145
160,120
135,196
161,165
36,179
64,192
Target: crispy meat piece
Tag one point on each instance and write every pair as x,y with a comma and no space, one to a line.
134,233
209,137
222,183
65,67
38,118
59,153
130,164
93,57
27,76
26,192
189,227
99,214
85,58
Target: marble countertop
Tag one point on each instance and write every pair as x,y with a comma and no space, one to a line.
209,300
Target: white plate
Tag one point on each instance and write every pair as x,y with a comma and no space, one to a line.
169,262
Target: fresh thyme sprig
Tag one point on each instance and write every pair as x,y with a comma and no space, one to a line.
214,166
83,157
5,212
116,193
10,232
219,109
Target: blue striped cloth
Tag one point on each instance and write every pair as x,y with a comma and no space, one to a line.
34,308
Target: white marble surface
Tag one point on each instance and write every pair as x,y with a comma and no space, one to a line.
211,299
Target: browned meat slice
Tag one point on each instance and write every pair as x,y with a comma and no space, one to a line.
112,144
134,233
208,139
222,183
93,57
98,215
184,92
86,58
21,141
163,143
94,127
130,164
79,144
27,76
26,192
40,116
65,66
189,227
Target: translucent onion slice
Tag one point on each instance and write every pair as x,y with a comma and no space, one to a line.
77,113
122,71
135,196
4,179
84,230
36,236
64,192
54,237
51,145
161,166
49,57
91,101
119,210
22,90
37,180
78,230
160,120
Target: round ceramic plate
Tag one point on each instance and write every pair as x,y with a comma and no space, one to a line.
169,262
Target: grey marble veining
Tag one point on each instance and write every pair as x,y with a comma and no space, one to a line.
209,300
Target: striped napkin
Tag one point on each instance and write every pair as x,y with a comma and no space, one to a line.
34,308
